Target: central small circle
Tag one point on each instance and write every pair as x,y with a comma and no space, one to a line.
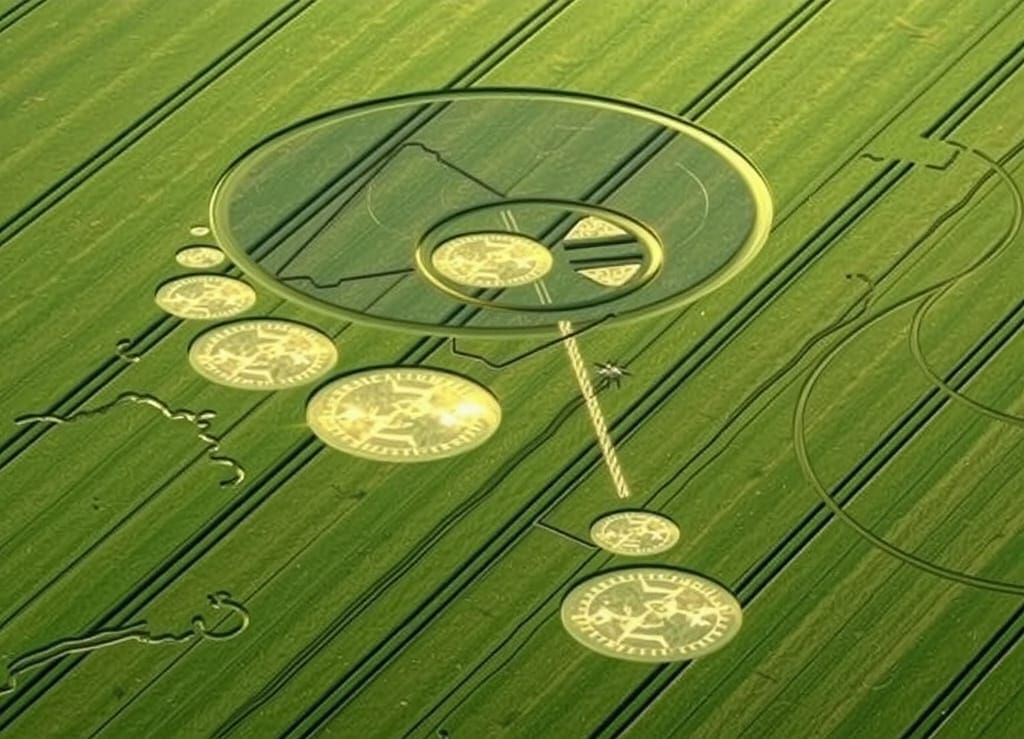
492,259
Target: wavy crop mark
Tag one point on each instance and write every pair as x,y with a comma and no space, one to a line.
160,329
200,420
137,632
929,295
285,567
300,455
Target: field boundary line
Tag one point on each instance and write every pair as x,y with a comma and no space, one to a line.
18,12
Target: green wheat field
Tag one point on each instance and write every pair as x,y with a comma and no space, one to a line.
837,430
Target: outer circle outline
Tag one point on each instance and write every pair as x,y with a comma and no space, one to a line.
748,172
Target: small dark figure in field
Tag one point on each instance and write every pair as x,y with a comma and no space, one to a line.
610,374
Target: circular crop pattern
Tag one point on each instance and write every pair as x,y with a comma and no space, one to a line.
262,354
651,614
199,256
205,297
395,414
637,210
491,259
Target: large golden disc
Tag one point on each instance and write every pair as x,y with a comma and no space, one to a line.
651,614
401,414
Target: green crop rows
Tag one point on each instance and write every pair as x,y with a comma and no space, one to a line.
422,600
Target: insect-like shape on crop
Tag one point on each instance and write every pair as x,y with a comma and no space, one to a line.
610,374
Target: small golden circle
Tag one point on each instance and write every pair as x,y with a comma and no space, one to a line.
651,614
199,230
205,297
492,259
399,414
199,257
262,354
634,533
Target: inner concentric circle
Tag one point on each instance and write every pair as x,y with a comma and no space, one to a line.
492,259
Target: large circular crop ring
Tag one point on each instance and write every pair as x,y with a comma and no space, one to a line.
432,212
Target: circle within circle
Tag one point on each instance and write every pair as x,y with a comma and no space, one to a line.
199,257
205,297
634,533
651,614
492,259
262,354
397,414
704,207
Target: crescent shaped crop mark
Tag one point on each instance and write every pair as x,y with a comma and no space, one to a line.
122,349
201,420
799,415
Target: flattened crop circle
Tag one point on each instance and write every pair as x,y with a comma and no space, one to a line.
634,533
262,354
651,614
398,414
